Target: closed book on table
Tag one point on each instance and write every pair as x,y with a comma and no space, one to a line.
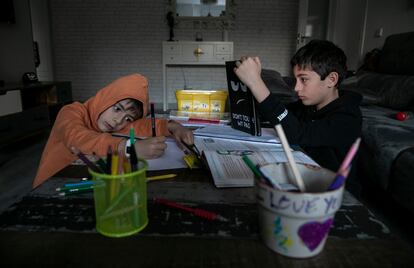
243,112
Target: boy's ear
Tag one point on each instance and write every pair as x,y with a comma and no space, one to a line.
332,79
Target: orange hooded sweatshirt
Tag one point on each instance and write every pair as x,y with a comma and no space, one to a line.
76,125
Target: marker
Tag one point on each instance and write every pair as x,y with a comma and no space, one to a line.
109,160
133,158
132,136
161,177
76,191
154,133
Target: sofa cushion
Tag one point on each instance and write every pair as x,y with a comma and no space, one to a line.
397,55
386,138
276,83
392,91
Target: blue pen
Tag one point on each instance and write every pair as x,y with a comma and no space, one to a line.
79,184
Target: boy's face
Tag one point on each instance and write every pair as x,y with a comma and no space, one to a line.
312,90
118,116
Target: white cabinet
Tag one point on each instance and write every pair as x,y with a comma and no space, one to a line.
193,53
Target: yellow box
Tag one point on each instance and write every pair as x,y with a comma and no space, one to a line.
201,100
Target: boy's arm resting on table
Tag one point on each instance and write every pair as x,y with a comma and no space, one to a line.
70,126
180,133
339,128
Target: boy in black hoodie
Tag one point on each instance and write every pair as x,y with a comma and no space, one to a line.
324,121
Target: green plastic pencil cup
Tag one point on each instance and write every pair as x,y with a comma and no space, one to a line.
124,213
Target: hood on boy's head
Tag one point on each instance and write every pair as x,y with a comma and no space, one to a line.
134,86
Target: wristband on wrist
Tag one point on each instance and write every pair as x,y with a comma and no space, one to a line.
127,147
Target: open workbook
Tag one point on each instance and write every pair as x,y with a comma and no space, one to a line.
223,154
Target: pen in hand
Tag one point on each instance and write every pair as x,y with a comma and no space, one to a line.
154,133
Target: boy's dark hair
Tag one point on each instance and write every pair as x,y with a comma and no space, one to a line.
322,57
136,104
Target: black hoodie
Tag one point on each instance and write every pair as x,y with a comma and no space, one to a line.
325,135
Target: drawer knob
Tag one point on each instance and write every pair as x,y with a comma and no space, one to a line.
198,51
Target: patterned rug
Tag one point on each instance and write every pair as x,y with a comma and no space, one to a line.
76,214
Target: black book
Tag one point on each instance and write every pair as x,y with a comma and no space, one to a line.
243,110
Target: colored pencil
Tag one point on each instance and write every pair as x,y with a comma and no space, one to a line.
195,211
76,191
79,184
82,157
161,177
99,161
296,174
339,179
350,155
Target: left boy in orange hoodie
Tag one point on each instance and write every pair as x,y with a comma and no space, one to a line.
87,126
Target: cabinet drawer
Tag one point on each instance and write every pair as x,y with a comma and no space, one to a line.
171,59
223,57
172,49
223,48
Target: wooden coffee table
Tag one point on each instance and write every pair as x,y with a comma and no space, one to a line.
44,229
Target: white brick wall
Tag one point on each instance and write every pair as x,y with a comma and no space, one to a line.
98,41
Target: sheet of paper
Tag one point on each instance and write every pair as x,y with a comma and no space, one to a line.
171,159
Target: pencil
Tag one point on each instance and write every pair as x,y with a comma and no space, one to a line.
350,155
101,164
339,179
154,133
82,157
79,184
113,183
195,211
114,163
289,156
161,177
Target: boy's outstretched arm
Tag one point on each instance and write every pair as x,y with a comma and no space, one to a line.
180,133
248,69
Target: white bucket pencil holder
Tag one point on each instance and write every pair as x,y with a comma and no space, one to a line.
296,224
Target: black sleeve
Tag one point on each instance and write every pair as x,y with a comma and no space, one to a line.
335,129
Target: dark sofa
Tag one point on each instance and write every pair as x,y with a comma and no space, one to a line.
386,156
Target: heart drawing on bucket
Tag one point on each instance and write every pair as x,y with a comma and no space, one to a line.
312,233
